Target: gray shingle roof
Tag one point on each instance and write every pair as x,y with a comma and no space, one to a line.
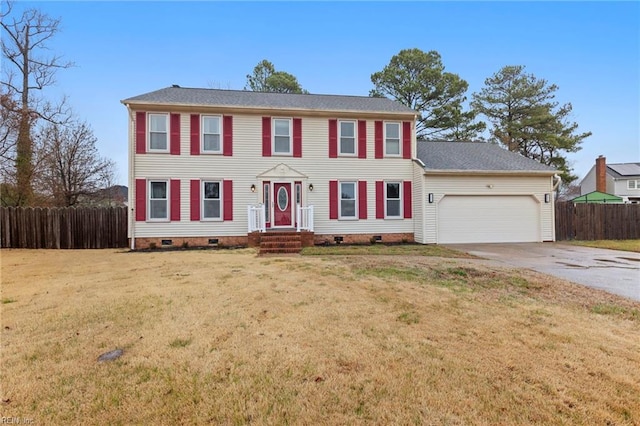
248,99
625,169
474,156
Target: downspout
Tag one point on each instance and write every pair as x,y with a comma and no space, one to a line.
557,183
131,179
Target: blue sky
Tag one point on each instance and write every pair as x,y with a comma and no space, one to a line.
591,50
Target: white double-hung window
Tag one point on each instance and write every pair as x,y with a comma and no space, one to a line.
347,137
281,136
211,200
158,200
158,132
393,200
211,134
348,194
392,138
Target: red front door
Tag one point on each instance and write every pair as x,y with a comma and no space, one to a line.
283,206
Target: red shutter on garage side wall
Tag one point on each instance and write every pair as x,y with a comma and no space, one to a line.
141,200
333,138
297,137
333,199
175,134
194,198
227,128
362,139
266,136
141,132
362,199
406,139
379,143
175,200
195,134
407,197
379,199
227,193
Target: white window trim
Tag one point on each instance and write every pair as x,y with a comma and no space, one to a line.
355,139
207,151
636,182
355,191
273,137
211,219
266,198
400,191
384,138
168,201
168,126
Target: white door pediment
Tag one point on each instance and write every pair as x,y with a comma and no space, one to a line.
281,171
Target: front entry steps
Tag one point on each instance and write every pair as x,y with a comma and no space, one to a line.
280,242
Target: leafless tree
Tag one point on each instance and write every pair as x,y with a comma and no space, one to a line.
70,170
29,69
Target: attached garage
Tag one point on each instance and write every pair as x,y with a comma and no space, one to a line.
475,192
488,219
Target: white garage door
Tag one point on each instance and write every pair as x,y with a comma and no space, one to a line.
488,219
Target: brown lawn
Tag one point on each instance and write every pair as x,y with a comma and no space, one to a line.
227,337
625,245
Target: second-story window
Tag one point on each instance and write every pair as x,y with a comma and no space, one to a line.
347,137
158,131
211,131
392,139
281,136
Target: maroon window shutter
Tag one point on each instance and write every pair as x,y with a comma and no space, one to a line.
175,134
333,138
141,132
379,199
362,139
175,200
297,137
379,140
408,204
195,200
227,126
227,193
266,136
333,199
141,200
406,139
362,199
195,134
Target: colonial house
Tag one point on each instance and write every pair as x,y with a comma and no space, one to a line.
232,167
621,180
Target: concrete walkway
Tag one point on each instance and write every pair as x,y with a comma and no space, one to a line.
617,272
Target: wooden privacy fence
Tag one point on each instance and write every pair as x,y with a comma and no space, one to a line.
63,228
597,221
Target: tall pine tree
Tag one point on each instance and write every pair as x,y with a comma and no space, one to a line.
526,119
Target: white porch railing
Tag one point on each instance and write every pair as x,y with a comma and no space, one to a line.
257,218
305,218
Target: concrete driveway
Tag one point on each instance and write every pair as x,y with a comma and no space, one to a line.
614,271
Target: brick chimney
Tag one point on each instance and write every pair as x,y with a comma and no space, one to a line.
601,174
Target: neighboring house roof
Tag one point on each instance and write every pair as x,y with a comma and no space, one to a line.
176,95
476,157
597,197
624,170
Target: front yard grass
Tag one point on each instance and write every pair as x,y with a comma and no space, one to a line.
384,249
226,337
625,245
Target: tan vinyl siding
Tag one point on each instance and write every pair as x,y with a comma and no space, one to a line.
419,201
247,163
489,185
